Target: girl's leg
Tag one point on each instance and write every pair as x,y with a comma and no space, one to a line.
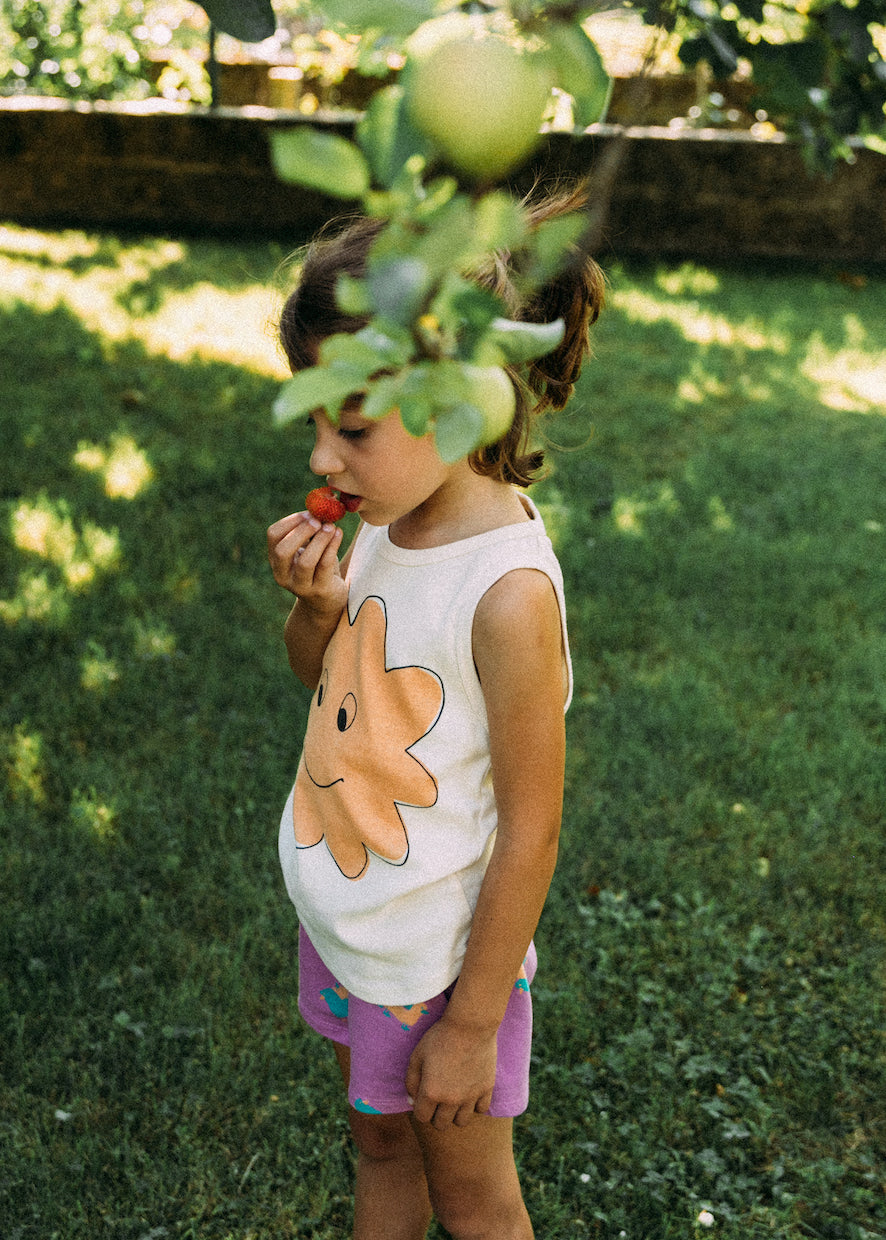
391,1193
474,1188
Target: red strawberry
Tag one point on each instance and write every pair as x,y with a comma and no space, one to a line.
323,504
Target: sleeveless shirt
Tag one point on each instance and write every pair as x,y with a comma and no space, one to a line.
387,832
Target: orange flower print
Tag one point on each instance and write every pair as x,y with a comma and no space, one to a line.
356,767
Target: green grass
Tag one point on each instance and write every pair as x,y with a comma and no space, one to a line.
710,998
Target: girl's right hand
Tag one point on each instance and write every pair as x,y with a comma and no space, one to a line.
303,555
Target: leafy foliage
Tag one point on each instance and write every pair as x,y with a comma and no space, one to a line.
816,69
83,51
444,216
249,20
819,73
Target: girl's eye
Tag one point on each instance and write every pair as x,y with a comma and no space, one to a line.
355,433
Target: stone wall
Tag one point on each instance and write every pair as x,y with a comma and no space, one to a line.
705,193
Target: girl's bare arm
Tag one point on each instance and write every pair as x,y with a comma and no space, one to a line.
303,555
519,658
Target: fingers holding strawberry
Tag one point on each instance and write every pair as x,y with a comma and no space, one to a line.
303,554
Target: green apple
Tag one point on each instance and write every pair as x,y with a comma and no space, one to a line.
490,389
478,97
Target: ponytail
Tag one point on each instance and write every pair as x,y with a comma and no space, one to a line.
575,295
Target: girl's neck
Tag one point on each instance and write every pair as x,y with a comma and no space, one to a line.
466,505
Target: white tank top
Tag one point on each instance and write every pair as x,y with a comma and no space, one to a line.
387,833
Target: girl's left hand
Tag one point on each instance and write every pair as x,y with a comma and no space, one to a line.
451,1075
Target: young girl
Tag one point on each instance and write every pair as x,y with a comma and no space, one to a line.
420,838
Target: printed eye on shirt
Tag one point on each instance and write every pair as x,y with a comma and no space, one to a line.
356,765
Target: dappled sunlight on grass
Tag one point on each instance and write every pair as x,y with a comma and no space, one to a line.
696,324
132,290
699,387
153,640
630,514
208,322
720,518
850,380
688,280
94,816
98,671
123,466
24,765
78,554
37,599
47,530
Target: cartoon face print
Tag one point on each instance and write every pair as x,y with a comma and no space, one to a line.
356,766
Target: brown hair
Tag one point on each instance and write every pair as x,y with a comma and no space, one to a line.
311,314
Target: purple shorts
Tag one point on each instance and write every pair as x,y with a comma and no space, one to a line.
382,1039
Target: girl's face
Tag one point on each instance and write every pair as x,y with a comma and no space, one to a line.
379,463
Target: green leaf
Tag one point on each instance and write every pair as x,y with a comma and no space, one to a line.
415,413
391,346
387,136
385,394
251,21
315,388
499,221
521,342
398,287
321,161
345,351
365,352
552,241
785,73
352,296
347,362
467,310
394,17
458,429
447,380
411,391
449,242
435,195
579,71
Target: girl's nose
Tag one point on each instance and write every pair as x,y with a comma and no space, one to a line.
325,459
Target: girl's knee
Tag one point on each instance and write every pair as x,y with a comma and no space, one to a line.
473,1182
383,1138
482,1216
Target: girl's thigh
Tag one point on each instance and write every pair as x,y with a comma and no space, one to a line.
380,1137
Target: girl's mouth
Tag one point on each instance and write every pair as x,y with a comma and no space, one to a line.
351,502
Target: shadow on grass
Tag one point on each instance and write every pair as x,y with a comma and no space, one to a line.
708,997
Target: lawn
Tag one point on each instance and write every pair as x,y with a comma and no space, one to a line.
709,1057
